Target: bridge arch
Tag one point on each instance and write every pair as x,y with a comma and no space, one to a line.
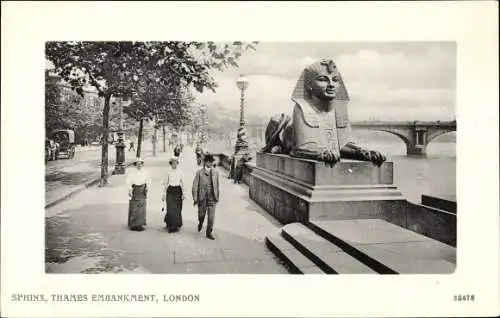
434,134
402,135
441,145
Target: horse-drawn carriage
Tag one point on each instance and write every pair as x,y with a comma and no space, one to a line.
65,139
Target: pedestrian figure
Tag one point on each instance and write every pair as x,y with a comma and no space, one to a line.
177,151
132,147
199,154
206,194
238,175
139,183
174,194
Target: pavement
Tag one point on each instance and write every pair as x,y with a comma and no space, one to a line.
88,233
66,177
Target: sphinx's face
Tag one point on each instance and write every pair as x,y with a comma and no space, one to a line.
323,84
322,80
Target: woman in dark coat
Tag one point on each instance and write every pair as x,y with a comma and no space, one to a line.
173,193
139,183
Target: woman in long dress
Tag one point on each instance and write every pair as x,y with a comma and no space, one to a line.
174,194
139,183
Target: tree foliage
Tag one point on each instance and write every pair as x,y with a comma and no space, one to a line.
198,123
115,68
65,109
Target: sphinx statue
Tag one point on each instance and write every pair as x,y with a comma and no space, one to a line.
320,128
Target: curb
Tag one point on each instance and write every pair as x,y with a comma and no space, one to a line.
79,189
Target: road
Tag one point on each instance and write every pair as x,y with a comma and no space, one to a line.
86,155
65,176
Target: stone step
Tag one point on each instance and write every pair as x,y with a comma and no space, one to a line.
388,248
295,261
327,256
442,202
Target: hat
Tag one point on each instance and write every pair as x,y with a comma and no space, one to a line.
208,158
174,158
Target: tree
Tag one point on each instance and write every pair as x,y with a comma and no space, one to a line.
65,109
138,111
165,103
114,68
198,122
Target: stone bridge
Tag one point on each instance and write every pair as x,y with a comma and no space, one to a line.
415,134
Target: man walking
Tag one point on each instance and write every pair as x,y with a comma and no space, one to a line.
206,194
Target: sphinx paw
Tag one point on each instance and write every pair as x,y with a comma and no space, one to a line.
377,157
330,158
276,149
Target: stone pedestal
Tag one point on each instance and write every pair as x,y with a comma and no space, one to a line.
300,190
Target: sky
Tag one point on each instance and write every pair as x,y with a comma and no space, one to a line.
385,81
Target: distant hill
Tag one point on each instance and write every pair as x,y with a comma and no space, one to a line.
225,120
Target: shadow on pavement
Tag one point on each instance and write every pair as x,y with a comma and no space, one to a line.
69,178
94,238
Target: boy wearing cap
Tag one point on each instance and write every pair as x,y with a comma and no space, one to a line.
206,194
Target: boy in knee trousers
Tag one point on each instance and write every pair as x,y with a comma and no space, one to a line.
206,194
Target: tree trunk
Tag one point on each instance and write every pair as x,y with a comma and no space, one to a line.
154,141
164,144
139,137
104,146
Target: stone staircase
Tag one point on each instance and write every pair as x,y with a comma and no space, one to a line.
362,246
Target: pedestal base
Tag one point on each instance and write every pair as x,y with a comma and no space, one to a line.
119,169
120,159
299,190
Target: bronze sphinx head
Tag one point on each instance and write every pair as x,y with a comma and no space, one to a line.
322,80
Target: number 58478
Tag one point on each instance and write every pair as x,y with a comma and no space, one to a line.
465,297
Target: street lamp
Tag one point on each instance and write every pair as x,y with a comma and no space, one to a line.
120,145
241,146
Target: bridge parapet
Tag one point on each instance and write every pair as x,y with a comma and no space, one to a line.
406,123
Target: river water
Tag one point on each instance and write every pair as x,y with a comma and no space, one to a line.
414,176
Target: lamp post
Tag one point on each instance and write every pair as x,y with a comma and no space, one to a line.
241,146
120,145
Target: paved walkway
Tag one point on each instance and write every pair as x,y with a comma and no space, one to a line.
89,234
66,177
